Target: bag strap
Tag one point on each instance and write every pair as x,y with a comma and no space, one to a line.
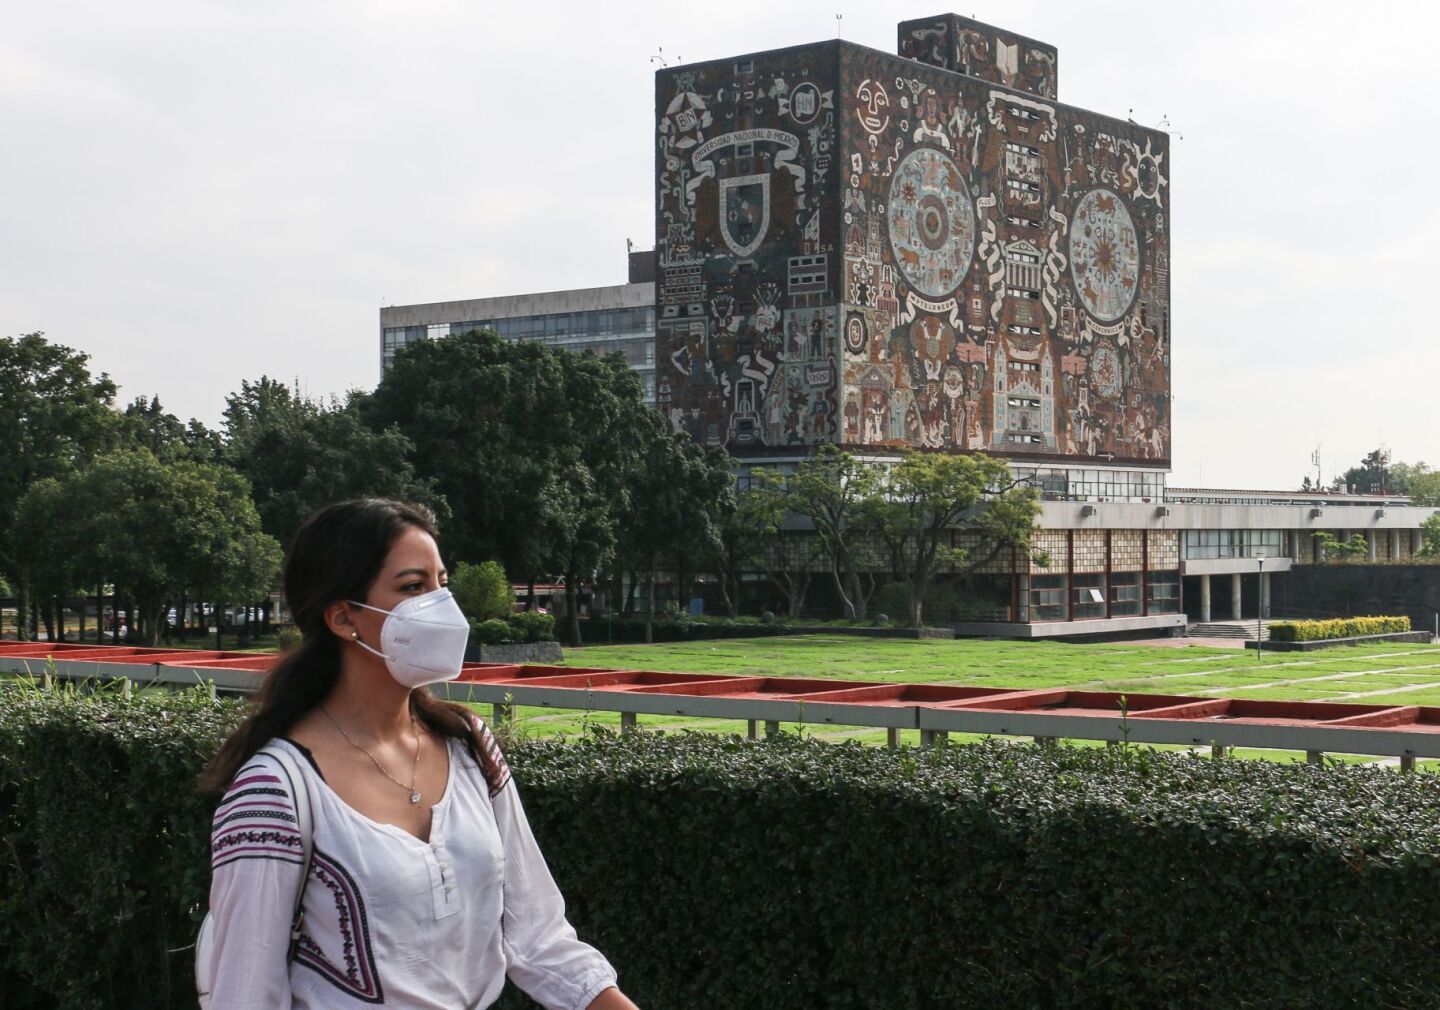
289,759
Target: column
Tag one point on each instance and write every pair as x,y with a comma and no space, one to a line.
1370,544
1235,597
1394,545
1265,594
1204,599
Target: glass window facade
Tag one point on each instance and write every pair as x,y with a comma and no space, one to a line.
1203,544
1086,484
630,332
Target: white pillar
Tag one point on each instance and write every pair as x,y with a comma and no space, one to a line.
1264,594
1235,596
1394,545
1204,599
1370,544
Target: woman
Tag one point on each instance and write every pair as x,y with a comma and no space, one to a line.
423,887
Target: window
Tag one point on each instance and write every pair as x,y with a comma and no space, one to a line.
1088,592
1124,594
1047,598
1164,592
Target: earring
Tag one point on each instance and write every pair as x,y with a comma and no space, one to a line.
354,636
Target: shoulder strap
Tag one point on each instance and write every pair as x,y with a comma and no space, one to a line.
290,761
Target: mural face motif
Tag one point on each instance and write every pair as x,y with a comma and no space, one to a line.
874,106
932,223
1104,255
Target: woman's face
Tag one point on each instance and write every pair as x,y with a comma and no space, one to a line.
412,568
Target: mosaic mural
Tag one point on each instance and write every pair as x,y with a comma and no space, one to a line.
861,248
747,321
951,42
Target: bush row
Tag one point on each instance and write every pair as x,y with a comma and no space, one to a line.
794,874
603,630
525,626
1339,627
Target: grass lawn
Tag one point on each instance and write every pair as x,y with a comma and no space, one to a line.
1392,674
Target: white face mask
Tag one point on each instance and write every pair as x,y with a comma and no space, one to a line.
423,639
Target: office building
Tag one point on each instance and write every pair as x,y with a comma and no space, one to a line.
619,318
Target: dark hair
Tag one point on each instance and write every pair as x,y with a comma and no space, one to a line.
336,555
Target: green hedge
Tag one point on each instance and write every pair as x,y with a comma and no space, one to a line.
1340,627
795,874
524,626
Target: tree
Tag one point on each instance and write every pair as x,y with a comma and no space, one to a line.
1425,487
828,489
1374,475
482,415
482,591
757,534
53,415
300,455
147,425
1341,550
153,529
919,505
675,498
1430,537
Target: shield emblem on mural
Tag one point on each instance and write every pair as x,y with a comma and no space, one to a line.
744,212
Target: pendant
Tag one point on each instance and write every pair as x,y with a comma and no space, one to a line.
414,797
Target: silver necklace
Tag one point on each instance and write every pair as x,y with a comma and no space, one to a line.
414,772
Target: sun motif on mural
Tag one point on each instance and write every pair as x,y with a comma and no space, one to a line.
1104,255
931,222
1145,172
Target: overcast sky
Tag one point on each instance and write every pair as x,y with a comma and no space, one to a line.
195,192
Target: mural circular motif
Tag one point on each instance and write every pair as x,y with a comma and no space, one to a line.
1104,255
855,335
931,222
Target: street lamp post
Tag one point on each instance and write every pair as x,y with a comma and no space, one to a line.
1259,602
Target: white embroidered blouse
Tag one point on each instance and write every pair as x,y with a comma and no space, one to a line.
389,920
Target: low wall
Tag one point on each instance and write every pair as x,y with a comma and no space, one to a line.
1421,637
1357,590
544,653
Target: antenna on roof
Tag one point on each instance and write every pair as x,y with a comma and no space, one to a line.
1164,124
838,19
629,246
659,57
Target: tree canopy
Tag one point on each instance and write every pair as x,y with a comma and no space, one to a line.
921,507
301,454
154,530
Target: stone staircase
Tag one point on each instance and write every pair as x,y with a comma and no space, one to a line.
1229,629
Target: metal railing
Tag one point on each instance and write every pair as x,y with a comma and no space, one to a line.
935,710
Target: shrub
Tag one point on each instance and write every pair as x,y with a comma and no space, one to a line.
482,590
288,637
1346,627
892,598
532,626
492,632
